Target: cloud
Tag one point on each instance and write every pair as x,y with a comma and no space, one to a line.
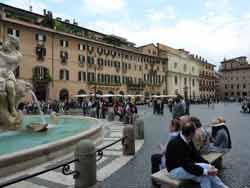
214,38
103,6
166,13
37,6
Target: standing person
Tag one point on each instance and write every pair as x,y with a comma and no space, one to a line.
154,106
170,105
187,104
84,107
162,107
184,162
97,109
178,109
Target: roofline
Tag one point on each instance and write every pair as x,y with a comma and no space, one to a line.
37,14
147,45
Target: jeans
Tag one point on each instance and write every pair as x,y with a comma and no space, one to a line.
205,181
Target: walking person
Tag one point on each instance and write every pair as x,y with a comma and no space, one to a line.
179,109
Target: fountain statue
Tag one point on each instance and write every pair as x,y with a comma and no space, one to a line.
11,90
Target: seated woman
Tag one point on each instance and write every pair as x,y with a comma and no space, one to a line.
220,134
158,159
201,138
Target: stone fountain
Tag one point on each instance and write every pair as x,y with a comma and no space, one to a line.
11,89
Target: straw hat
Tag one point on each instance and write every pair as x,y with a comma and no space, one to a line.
218,122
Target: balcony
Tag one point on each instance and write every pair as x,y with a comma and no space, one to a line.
103,83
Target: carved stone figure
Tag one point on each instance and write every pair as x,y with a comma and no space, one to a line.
11,90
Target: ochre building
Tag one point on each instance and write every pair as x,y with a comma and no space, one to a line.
62,59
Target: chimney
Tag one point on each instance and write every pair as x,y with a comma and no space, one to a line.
44,12
30,7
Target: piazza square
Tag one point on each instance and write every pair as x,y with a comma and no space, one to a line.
124,94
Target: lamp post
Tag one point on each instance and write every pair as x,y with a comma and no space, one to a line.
95,74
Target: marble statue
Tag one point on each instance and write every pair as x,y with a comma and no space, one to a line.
11,90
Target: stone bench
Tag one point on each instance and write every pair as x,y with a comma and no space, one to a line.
162,177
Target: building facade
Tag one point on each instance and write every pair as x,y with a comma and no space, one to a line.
235,77
62,59
183,71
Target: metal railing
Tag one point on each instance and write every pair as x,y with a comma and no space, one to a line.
100,151
65,167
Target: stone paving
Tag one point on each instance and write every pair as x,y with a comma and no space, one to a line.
235,173
112,161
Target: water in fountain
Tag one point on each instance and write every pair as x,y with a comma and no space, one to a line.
39,107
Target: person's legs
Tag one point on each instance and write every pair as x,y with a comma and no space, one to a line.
182,174
155,162
216,182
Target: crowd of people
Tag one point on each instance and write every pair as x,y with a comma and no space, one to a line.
125,109
245,106
188,141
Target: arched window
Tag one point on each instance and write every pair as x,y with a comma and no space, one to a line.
81,92
63,95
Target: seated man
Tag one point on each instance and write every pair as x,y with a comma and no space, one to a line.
185,163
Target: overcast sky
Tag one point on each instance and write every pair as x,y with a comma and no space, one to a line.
213,29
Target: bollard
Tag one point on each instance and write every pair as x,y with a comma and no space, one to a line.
129,140
139,129
86,166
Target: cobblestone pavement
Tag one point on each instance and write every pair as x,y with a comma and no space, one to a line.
235,173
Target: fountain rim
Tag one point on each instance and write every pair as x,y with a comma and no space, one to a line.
55,144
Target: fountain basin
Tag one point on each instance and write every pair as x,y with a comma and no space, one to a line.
22,159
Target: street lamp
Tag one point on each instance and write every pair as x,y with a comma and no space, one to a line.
95,74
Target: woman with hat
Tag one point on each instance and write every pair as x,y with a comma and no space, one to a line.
220,134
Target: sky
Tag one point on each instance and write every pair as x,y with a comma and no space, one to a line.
213,29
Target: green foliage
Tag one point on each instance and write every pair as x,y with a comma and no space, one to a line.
46,79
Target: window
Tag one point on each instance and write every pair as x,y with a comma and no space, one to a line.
81,47
64,56
185,68
244,86
40,37
175,80
238,86
90,60
64,74
185,81
81,59
225,86
64,43
175,65
193,82
232,86
13,32
40,53
193,69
